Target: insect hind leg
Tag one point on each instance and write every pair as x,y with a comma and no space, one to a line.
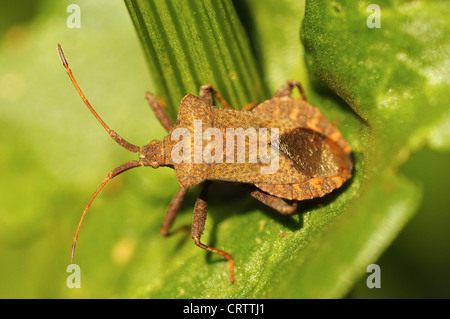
274,202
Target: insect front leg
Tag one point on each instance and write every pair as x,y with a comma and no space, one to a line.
159,111
206,92
172,211
287,87
274,202
198,225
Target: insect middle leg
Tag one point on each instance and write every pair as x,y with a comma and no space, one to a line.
198,225
207,90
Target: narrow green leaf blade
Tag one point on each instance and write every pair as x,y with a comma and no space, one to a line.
191,43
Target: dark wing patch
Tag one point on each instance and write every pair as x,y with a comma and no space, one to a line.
313,153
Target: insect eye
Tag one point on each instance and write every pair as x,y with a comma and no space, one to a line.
154,164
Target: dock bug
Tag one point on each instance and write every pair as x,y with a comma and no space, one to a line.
312,157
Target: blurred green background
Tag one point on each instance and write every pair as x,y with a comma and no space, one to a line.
54,154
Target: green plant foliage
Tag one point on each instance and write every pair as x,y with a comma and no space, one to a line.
188,43
384,88
378,78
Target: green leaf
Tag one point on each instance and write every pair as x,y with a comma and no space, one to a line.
266,242
394,78
191,43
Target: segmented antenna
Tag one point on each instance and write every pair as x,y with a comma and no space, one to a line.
114,135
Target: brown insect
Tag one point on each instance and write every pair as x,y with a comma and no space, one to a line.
312,157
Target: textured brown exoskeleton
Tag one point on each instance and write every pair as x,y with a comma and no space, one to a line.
313,158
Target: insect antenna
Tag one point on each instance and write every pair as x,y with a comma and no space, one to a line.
114,135
120,169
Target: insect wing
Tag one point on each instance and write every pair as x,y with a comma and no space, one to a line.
313,153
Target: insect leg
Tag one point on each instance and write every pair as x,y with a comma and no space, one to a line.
206,92
286,89
159,111
172,211
274,202
198,224
250,106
